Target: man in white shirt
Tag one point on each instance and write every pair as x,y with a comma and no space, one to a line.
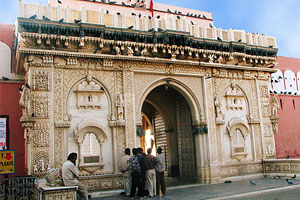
124,168
70,174
159,169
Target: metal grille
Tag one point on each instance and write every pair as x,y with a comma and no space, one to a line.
17,188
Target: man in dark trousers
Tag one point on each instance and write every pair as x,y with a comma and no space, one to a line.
160,170
135,170
141,156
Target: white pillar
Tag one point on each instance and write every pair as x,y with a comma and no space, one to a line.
250,36
101,16
21,9
83,14
67,14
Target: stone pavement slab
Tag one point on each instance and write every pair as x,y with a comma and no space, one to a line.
217,191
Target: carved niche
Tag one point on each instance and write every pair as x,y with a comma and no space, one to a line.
234,98
90,137
89,93
238,132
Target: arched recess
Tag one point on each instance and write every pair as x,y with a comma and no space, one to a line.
5,57
159,132
237,118
290,82
96,114
238,148
106,92
90,152
182,111
278,82
185,91
232,86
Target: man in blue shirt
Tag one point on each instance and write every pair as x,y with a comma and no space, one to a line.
135,170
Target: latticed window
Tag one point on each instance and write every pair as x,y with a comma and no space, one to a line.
90,148
238,141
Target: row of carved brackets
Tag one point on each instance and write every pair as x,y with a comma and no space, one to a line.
211,55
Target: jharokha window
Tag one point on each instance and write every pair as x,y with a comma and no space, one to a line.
90,149
238,141
90,139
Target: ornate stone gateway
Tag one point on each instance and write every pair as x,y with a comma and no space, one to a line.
91,86
172,127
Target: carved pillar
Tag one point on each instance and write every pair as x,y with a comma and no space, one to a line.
129,109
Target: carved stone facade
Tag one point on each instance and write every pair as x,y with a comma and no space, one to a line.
91,102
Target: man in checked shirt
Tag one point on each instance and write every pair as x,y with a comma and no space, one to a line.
149,164
135,169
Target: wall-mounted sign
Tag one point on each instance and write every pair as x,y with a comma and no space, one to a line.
3,130
7,162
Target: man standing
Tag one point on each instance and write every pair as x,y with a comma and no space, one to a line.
124,167
141,156
149,164
135,170
160,170
70,174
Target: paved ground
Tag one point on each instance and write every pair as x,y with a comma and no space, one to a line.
265,188
293,194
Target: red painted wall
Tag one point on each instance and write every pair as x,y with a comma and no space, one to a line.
287,140
9,103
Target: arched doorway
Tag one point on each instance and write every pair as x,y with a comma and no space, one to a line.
167,115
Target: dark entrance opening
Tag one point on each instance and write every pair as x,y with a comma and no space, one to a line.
167,124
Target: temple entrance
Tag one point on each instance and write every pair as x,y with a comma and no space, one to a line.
167,123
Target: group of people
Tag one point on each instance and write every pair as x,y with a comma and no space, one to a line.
141,171
144,172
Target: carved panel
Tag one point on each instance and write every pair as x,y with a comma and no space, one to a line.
40,162
264,91
106,184
128,90
58,94
41,138
268,130
234,98
41,80
89,95
58,147
41,125
266,109
121,141
41,105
